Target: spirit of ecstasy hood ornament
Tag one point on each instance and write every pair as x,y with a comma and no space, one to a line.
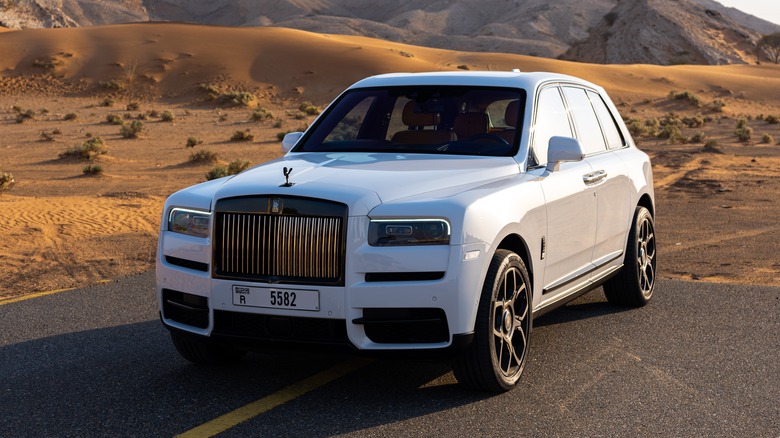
287,182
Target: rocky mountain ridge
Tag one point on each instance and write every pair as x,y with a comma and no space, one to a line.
695,31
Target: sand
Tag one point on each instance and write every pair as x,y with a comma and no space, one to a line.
717,209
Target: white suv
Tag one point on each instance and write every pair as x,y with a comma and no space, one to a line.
423,214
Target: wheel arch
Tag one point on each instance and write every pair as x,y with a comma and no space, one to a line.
647,202
518,245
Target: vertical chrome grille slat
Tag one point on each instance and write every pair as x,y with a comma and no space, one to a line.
279,248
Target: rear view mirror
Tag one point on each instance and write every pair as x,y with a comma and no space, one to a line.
290,140
561,149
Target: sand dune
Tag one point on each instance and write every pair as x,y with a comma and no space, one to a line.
58,228
174,58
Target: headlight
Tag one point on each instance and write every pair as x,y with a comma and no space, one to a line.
395,232
190,222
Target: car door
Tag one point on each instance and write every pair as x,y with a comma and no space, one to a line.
570,203
608,177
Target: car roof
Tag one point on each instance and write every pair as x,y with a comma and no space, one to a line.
528,81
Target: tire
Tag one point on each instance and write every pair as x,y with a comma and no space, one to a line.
633,286
495,360
203,353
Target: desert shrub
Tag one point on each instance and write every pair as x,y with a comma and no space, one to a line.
698,137
635,127
153,113
672,133
71,116
223,117
236,98
108,101
242,136
114,119
772,119
47,136
216,172
113,85
309,109
261,114
23,115
203,156
6,180
711,144
693,122
56,131
464,67
209,88
686,95
167,116
717,105
407,54
767,139
89,149
142,116
235,166
743,131
192,142
278,124
47,63
133,106
92,169
44,111
132,130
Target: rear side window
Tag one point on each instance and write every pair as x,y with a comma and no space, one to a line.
551,121
585,120
611,132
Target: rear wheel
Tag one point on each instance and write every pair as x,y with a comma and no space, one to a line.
495,360
633,286
204,353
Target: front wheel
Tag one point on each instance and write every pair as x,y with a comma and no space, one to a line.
633,286
495,360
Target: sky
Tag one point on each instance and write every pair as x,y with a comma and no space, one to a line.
767,9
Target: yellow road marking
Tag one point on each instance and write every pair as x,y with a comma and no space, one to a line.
244,413
4,301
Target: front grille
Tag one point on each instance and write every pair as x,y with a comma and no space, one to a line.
293,246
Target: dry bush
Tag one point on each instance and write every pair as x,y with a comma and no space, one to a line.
89,149
192,142
6,180
133,130
242,136
92,169
203,156
235,166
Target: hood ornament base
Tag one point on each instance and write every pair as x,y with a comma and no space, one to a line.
287,173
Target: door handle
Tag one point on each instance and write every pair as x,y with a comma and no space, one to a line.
594,177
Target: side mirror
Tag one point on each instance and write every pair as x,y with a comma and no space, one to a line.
561,149
290,140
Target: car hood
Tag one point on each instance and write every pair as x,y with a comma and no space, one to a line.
363,180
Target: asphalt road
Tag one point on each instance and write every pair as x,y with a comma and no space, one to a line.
700,360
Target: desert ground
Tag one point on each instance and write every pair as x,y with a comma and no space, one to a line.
717,207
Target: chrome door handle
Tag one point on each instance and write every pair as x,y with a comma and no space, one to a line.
594,177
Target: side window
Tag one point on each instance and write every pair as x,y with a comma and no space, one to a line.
588,129
396,123
349,127
611,132
551,121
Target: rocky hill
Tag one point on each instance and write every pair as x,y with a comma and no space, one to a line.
566,28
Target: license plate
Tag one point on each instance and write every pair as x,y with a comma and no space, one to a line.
273,298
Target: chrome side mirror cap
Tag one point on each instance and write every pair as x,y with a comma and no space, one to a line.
560,149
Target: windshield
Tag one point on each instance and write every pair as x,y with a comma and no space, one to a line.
421,119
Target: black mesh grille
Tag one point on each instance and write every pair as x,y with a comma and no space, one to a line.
186,308
278,328
405,326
